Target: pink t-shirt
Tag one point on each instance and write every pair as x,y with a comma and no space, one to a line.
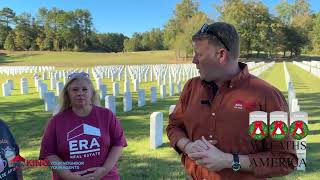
84,140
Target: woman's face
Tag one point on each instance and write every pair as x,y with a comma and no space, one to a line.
80,93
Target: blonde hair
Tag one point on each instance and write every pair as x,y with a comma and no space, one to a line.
65,101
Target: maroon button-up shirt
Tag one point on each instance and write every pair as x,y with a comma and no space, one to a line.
226,119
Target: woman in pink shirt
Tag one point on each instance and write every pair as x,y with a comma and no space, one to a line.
83,141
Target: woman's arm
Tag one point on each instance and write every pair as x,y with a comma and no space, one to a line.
112,158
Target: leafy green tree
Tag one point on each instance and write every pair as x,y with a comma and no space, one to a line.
251,19
24,35
315,34
9,43
111,42
183,12
6,18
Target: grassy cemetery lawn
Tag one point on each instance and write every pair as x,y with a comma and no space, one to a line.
307,88
85,59
26,116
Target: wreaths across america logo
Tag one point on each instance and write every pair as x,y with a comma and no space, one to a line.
279,127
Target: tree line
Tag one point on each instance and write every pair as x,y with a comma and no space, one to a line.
292,30
55,30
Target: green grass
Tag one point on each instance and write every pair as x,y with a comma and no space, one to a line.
84,59
26,118
307,88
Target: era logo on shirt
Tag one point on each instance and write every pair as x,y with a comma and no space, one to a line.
239,104
87,147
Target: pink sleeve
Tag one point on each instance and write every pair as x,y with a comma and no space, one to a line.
49,141
117,137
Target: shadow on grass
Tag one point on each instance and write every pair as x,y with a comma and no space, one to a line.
135,167
9,107
5,58
313,157
314,122
310,103
314,132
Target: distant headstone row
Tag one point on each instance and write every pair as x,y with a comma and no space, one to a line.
293,104
13,70
261,69
313,67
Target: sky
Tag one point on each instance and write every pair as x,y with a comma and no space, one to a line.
126,16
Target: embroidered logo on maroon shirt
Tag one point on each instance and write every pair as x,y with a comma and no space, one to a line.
239,104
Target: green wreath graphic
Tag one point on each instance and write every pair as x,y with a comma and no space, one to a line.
263,129
299,130
278,126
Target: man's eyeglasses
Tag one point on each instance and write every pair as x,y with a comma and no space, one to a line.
78,74
204,30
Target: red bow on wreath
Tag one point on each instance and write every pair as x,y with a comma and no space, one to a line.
257,124
278,124
298,124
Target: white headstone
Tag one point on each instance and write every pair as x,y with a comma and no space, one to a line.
56,76
10,82
59,88
50,101
141,97
153,94
145,77
301,152
115,89
135,85
6,89
38,82
163,92
24,86
171,87
179,87
99,83
126,86
110,103
156,129
127,102
53,84
56,109
171,108
103,91
65,79
43,90
44,76
151,75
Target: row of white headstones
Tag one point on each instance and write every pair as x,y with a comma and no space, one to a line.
294,107
164,74
311,66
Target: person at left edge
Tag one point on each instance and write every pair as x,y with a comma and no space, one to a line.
8,151
82,132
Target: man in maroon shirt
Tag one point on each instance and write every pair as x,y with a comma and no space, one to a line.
210,123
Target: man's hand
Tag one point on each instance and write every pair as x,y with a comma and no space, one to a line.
213,158
197,146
